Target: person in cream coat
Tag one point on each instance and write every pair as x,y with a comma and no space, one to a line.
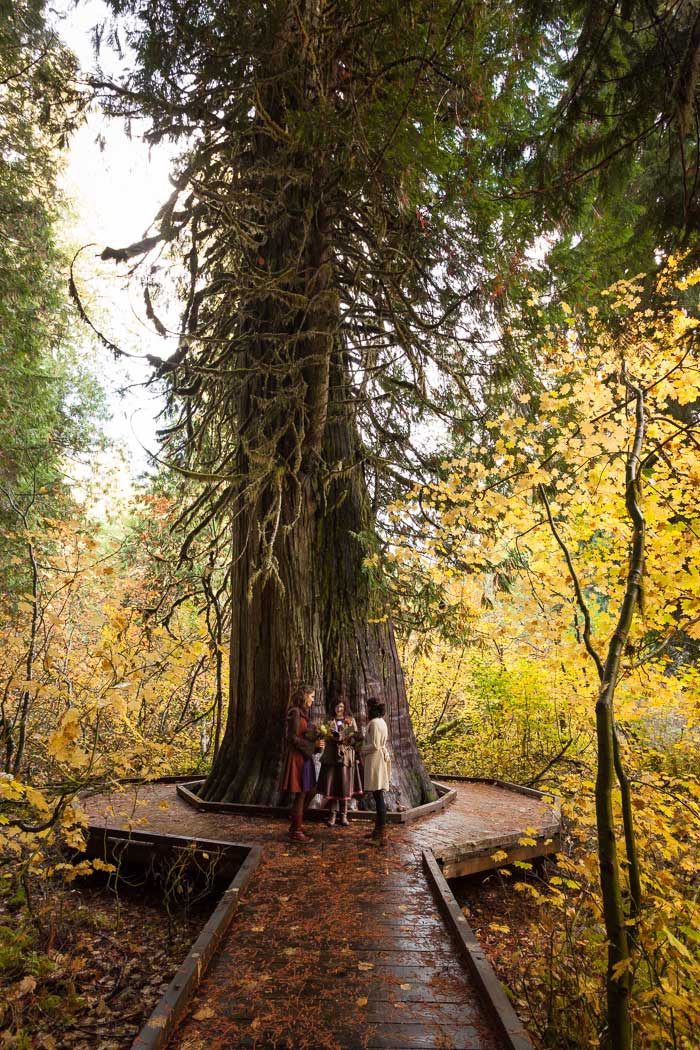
377,764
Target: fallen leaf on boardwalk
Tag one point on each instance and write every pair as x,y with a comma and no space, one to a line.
362,1001
405,987
163,804
399,1006
365,966
27,984
203,1014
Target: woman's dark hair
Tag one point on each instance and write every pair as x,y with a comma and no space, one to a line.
376,708
299,693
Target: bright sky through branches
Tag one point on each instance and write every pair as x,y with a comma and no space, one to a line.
114,184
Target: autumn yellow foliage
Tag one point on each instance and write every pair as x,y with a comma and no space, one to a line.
93,689
512,692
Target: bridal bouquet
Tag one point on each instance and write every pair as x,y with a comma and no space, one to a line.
353,737
317,735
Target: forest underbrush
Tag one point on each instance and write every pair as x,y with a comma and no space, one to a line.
542,924
83,963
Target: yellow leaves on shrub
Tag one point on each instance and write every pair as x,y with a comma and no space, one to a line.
10,789
620,968
62,742
676,944
74,838
529,890
38,800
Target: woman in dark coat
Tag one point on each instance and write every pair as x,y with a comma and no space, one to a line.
298,771
340,777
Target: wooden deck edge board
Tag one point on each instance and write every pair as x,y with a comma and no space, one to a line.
547,839
510,1027
507,785
476,863
170,1008
446,796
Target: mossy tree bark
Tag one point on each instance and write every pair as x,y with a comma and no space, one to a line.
301,519
311,621
360,657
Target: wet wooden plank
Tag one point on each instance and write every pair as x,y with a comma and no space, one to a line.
386,1036
373,940
389,1010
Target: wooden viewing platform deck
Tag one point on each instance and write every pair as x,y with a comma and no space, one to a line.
340,945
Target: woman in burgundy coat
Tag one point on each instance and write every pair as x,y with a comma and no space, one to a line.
299,773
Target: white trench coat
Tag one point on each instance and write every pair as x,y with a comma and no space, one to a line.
377,763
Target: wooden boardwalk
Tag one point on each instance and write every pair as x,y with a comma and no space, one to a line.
337,945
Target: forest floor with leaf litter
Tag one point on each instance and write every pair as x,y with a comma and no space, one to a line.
85,972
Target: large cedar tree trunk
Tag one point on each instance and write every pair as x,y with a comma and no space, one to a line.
299,592
360,658
312,624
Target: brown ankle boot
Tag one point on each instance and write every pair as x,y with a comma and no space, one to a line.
296,832
381,835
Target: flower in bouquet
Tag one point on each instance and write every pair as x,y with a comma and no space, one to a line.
354,738
315,733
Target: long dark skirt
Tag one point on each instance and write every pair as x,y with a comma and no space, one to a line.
339,782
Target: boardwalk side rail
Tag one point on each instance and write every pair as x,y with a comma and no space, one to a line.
510,1027
172,1005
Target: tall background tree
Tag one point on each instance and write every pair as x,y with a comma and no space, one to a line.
615,172
334,210
48,399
